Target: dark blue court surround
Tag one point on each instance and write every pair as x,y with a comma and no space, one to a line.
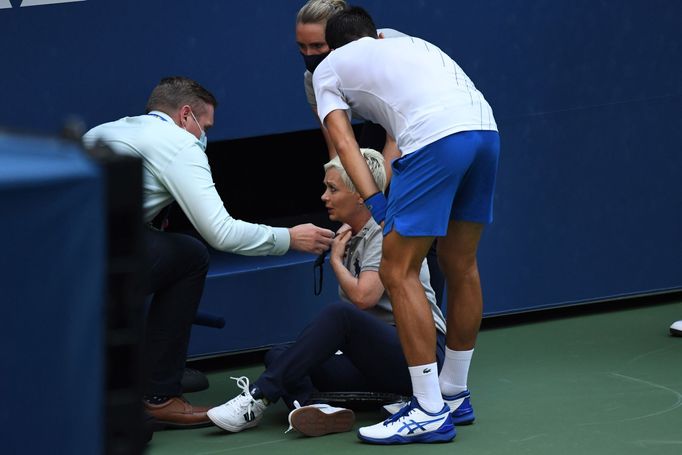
52,264
586,95
264,300
588,205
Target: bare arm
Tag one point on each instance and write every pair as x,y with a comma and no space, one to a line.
327,139
390,152
343,139
365,290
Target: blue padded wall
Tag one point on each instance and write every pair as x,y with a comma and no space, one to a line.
52,297
264,301
592,212
586,94
528,56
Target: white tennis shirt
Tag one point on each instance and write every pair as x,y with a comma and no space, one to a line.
308,76
407,85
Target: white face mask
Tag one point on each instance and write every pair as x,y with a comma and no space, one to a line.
202,137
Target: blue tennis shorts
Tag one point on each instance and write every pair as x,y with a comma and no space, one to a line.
450,179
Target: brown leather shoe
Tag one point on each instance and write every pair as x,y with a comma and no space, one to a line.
178,413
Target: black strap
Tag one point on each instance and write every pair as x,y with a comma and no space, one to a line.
318,267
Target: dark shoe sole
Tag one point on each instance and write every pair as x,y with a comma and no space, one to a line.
440,436
166,425
311,421
463,419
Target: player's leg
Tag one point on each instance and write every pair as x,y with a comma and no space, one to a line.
457,258
426,418
400,266
422,190
472,209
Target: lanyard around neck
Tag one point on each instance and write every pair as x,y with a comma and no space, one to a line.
158,116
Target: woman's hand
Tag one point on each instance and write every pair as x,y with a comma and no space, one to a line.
339,243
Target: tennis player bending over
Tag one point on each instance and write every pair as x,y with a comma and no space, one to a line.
442,186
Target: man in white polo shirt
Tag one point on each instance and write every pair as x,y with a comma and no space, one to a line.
442,187
171,141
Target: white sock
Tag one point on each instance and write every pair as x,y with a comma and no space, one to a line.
453,376
425,386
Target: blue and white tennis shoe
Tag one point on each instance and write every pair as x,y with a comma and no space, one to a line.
460,407
411,424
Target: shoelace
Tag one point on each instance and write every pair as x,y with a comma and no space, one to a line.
296,406
243,383
404,411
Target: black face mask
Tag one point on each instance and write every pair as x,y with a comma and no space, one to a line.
311,61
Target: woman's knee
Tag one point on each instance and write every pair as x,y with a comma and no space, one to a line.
340,317
335,311
274,353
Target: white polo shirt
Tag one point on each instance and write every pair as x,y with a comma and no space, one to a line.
407,85
176,168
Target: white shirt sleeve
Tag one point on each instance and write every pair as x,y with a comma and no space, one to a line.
188,178
327,91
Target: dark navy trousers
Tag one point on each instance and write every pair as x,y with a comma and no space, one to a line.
372,359
176,268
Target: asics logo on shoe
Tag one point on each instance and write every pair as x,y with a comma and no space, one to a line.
426,371
412,425
249,416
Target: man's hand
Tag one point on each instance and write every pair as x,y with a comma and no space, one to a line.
310,238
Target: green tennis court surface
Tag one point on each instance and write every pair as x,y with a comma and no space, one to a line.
607,382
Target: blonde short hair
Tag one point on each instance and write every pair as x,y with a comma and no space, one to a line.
375,162
318,11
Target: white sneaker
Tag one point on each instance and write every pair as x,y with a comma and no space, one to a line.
676,329
241,412
411,424
320,419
